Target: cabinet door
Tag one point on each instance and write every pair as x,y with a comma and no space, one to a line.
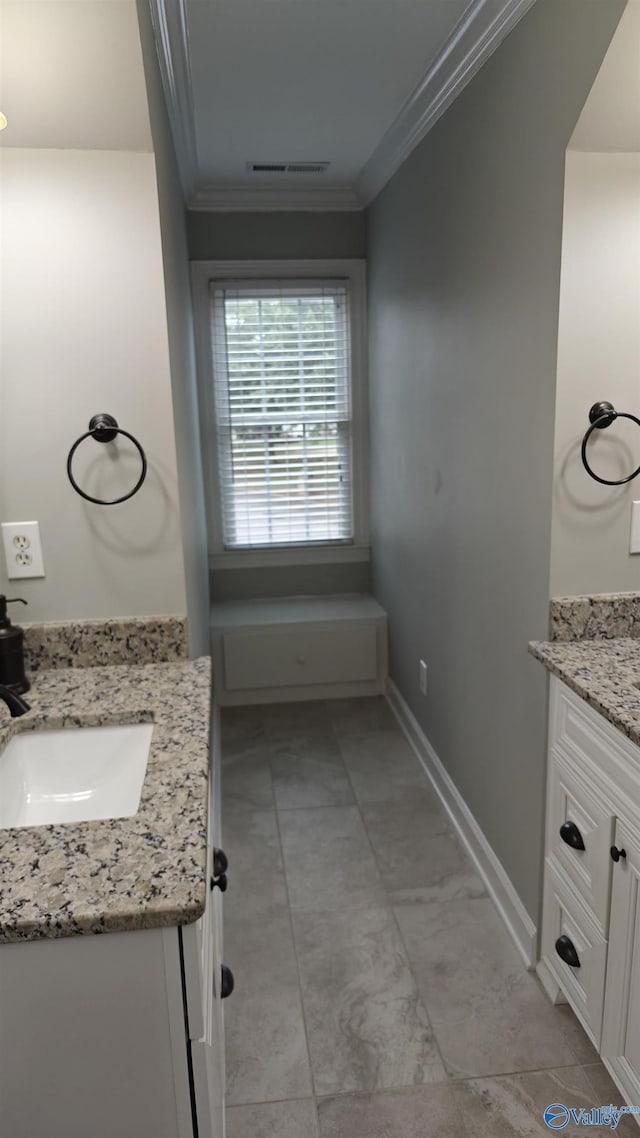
621,1029
207,1053
583,983
573,801
203,977
216,838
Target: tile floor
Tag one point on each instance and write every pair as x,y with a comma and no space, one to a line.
377,993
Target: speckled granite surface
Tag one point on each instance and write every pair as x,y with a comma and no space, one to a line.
605,673
89,643
604,616
131,873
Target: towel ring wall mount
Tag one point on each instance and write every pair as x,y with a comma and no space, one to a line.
601,416
104,429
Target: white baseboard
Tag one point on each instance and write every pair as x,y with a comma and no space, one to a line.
499,886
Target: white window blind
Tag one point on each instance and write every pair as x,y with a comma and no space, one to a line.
281,368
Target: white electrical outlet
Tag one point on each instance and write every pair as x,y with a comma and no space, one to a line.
422,677
634,540
22,549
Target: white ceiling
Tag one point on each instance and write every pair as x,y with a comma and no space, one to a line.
308,80
71,75
353,83
610,120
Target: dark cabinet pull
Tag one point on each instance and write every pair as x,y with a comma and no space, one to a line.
616,854
220,862
220,881
570,834
566,951
227,982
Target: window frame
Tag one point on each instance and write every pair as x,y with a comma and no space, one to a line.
294,271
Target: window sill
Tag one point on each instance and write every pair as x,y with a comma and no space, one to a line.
301,555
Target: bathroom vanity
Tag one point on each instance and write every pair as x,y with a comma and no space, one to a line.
111,974
590,949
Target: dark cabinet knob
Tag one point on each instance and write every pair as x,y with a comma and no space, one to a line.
616,854
220,881
567,951
570,834
220,862
227,982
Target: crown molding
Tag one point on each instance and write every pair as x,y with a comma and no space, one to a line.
250,199
476,36
169,19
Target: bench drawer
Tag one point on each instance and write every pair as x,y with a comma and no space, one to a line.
265,658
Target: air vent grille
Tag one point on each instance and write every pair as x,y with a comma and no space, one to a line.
287,167
307,167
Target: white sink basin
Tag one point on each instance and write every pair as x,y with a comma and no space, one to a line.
73,775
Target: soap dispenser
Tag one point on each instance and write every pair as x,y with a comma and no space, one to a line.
12,673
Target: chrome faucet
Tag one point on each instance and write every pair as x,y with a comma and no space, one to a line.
15,703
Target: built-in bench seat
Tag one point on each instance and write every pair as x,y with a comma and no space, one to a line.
294,648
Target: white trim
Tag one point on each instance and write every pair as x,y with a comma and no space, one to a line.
169,19
476,36
500,887
259,199
300,555
624,1076
202,272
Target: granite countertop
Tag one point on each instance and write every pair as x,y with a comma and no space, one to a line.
129,873
605,673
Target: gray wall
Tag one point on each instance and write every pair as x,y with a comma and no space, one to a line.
280,236
181,349
464,267
291,580
248,236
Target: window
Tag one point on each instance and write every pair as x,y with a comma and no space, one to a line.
286,465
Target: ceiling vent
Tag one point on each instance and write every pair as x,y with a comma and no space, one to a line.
287,167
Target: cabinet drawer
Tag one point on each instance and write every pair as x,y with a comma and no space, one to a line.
563,915
263,658
573,803
603,752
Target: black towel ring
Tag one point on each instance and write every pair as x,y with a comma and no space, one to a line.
603,415
104,428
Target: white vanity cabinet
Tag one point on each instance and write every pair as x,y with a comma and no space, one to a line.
621,1026
590,950
116,1036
